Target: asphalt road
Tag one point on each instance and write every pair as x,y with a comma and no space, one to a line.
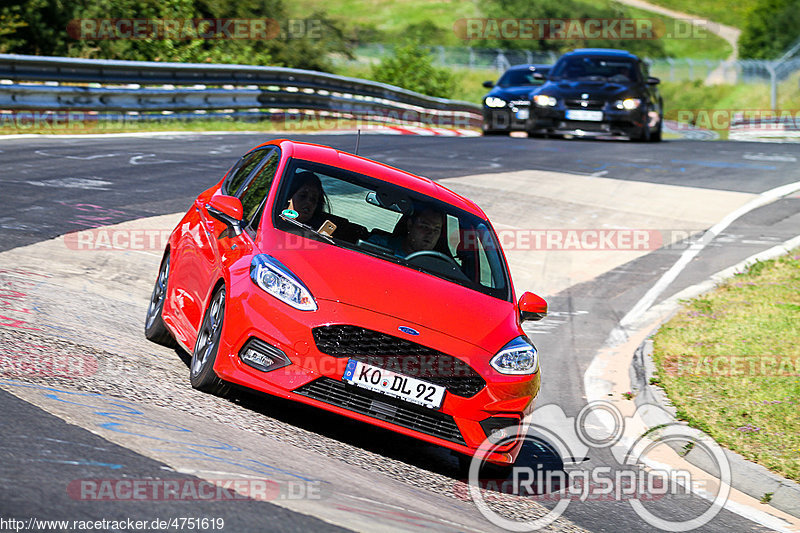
54,186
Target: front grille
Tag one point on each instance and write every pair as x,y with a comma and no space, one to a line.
590,104
399,355
382,407
520,103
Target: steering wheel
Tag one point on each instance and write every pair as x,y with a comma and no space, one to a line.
432,253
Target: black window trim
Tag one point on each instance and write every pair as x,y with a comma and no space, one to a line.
252,173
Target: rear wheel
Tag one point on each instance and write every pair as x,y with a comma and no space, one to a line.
154,327
201,373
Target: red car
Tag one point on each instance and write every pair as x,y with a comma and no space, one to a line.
336,281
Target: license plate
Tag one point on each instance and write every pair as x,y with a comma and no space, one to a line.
392,384
584,114
522,114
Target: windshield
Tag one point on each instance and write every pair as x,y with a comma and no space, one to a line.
516,77
595,69
370,216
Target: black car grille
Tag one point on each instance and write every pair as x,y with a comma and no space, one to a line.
399,355
590,104
382,407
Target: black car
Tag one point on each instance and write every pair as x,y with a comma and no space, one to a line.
594,92
506,106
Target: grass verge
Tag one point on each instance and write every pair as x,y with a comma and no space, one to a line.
730,362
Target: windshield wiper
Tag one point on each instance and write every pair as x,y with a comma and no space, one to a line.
307,228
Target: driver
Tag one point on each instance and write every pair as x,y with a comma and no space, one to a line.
419,232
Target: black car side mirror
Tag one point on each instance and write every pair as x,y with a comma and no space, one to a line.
488,84
653,81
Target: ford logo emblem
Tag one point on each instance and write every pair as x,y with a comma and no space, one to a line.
410,331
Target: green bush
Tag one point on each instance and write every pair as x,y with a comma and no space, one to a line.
770,28
411,67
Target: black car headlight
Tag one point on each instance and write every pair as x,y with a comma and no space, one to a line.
628,104
517,357
545,100
493,101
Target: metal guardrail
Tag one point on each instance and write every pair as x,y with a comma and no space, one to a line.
94,85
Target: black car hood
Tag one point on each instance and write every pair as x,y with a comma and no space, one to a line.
521,92
595,89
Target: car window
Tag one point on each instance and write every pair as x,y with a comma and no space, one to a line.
619,70
238,174
517,77
256,190
392,223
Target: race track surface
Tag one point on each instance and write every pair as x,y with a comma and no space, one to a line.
127,410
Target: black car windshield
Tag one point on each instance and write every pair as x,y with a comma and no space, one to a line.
370,216
583,68
517,77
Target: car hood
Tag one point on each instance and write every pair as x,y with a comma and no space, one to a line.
595,89
415,298
514,93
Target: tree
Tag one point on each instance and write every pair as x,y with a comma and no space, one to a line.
771,27
411,67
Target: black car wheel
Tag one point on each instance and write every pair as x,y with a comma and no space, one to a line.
201,373
487,133
154,327
655,136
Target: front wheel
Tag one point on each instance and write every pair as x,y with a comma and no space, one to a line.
201,373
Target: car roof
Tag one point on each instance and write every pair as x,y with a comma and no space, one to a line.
601,52
336,158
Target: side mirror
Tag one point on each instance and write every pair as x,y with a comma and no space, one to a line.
488,84
228,210
653,81
532,307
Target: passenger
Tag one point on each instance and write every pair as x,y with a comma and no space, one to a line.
308,199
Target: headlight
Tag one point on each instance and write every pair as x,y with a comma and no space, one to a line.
628,104
493,101
543,100
517,357
270,274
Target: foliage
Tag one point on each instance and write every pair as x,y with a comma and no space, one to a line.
565,9
42,29
411,67
771,27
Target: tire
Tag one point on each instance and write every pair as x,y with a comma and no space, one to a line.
154,328
655,136
493,133
201,369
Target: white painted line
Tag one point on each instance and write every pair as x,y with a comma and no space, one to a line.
619,334
597,388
